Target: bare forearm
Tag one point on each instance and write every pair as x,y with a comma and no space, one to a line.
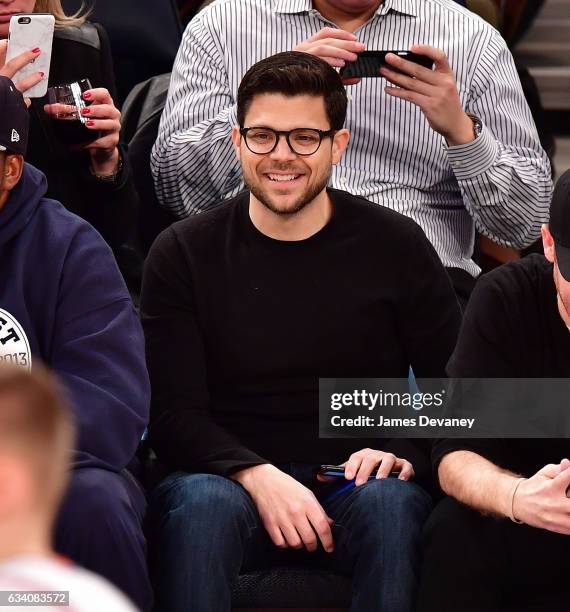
478,483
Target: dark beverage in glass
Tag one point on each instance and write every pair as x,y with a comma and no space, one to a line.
68,123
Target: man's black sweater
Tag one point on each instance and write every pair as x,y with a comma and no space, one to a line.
239,328
512,329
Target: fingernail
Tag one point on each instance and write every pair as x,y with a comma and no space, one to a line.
36,50
90,123
42,74
87,95
85,111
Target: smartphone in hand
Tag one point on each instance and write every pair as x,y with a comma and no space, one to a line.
31,31
337,471
369,63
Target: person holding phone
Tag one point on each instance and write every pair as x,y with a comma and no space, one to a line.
92,179
244,308
455,148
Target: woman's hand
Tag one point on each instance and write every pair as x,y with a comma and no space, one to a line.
102,116
10,69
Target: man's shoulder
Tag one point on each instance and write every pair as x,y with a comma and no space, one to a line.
520,279
460,12
73,247
204,228
374,217
520,290
87,590
63,227
221,11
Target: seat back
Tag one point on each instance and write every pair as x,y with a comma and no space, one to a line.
141,117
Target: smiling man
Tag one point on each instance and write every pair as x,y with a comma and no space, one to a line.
244,308
454,148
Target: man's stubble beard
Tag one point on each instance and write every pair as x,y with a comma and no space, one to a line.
305,198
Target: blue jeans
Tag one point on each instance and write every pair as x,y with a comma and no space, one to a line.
206,531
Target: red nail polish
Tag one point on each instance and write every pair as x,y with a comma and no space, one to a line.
85,111
42,74
87,95
90,123
36,50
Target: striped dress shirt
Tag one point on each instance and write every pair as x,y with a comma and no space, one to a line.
499,184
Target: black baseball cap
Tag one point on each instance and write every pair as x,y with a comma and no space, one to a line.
559,223
14,119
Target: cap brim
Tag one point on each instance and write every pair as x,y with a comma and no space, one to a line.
563,260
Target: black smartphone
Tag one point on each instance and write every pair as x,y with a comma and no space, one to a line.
369,63
337,471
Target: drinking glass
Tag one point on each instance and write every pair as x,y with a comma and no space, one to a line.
68,122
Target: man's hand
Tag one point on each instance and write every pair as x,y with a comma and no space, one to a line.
289,511
541,500
334,46
362,463
434,91
9,69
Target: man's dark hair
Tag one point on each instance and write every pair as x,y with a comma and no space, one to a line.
293,74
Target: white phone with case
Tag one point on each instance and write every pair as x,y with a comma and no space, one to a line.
29,31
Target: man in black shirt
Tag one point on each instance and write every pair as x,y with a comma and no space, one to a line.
516,326
244,308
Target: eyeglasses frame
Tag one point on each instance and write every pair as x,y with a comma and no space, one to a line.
286,133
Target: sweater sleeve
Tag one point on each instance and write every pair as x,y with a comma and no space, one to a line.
430,316
183,431
488,346
98,352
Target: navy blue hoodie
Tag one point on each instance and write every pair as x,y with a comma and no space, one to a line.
64,302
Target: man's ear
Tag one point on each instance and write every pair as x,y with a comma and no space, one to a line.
236,139
548,244
339,144
13,168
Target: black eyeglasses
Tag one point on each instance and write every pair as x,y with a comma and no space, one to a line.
302,141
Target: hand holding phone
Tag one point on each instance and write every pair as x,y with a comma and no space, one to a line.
367,462
11,68
28,56
369,63
337,471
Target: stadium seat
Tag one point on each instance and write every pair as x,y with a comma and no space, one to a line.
292,588
141,116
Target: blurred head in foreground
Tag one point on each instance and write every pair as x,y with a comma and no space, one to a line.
36,436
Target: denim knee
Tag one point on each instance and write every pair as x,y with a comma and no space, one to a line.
391,501
204,501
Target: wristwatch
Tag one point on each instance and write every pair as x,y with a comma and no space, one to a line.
477,125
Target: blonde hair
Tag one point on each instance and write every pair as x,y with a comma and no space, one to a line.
61,19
